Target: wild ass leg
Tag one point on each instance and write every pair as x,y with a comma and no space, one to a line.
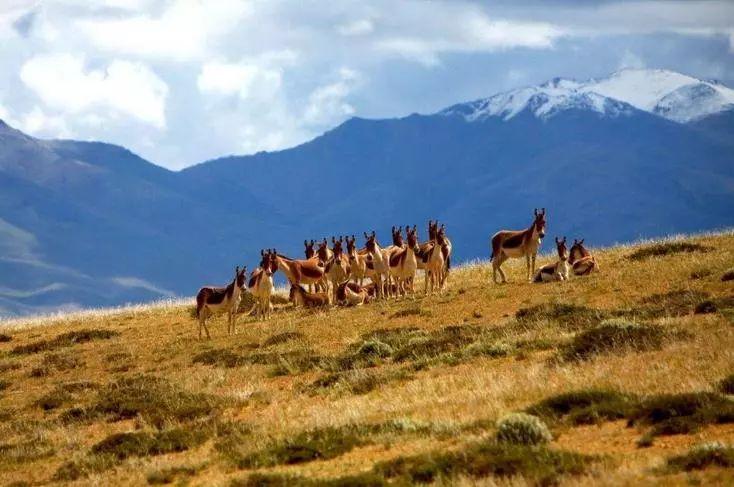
527,264
535,254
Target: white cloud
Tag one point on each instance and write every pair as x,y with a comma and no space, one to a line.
356,28
187,29
63,83
248,80
41,124
631,60
327,104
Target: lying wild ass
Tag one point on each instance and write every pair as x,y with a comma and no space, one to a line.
301,297
581,260
518,243
215,300
403,264
261,283
351,294
557,271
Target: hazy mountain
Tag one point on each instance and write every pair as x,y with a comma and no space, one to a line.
641,153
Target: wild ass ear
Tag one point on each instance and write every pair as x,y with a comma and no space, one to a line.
564,239
535,212
262,252
305,243
542,211
557,241
366,236
333,240
581,242
373,233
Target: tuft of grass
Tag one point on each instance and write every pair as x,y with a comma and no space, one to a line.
316,444
5,338
522,429
76,469
671,414
168,475
726,385
568,316
700,274
411,311
368,479
665,249
284,337
220,357
359,381
447,339
703,456
26,451
673,303
142,444
614,336
586,406
728,275
64,340
7,366
4,384
155,399
537,465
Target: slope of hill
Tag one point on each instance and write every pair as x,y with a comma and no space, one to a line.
92,224
400,391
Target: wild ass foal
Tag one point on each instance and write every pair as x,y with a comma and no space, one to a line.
215,300
518,243
301,297
581,260
557,271
261,283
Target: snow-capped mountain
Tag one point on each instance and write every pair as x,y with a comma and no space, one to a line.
671,95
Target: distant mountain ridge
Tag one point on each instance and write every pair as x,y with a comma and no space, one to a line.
89,223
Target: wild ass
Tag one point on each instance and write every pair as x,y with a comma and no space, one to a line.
352,294
378,267
215,300
424,248
310,271
518,243
581,260
337,268
261,283
557,271
403,264
301,297
446,248
397,240
309,251
357,261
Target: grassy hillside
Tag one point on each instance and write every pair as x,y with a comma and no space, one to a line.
627,377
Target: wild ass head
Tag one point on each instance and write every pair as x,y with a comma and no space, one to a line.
268,263
397,236
562,250
432,229
539,222
370,241
578,251
412,234
310,252
239,277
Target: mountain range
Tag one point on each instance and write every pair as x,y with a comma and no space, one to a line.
641,153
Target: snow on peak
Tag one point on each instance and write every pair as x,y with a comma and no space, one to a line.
672,95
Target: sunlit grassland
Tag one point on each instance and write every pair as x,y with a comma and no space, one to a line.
347,393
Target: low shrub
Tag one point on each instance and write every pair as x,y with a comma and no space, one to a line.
587,406
674,303
726,385
220,357
728,275
614,336
64,340
284,337
568,316
4,384
670,414
360,381
705,307
702,456
141,444
522,429
5,338
168,475
26,451
665,249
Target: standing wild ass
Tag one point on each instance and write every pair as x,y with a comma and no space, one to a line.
337,268
581,260
261,283
518,243
310,271
403,264
378,264
557,271
215,300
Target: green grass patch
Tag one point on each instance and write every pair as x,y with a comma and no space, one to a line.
280,338
726,385
64,340
359,381
142,444
536,465
728,275
665,249
170,474
703,456
586,406
567,316
25,451
614,336
673,303
368,479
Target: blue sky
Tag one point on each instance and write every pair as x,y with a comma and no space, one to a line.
182,81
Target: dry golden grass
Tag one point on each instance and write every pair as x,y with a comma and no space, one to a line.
299,395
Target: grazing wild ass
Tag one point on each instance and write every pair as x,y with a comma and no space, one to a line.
557,271
581,260
301,297
215,300
518,243
310,271
403,263
261,283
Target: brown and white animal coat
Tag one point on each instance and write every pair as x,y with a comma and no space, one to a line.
261,283
216,300
508,244
557,271
581,260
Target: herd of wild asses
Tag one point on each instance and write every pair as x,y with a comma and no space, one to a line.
329,275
